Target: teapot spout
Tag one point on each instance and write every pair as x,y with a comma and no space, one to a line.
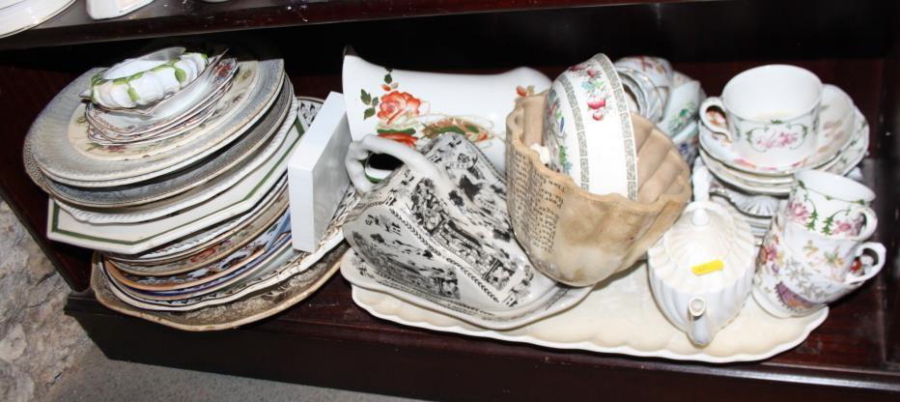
698,330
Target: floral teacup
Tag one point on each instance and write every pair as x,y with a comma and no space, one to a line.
791,284
588,130
769,114
831,205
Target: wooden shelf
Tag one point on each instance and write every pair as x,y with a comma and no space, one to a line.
181,17
328,341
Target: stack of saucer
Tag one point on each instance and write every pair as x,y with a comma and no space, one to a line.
183,194
842,138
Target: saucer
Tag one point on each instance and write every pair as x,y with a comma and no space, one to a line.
844,162
556,299
837,128
619,316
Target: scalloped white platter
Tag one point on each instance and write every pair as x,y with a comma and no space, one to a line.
618,317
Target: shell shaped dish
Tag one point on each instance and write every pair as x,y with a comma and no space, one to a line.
589,237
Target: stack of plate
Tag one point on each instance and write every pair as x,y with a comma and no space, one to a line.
186,204
843,139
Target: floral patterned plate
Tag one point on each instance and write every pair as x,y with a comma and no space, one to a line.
619,316
59,159
213,253
409,106
836,129
283,269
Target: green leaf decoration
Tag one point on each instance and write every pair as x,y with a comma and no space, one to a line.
408,131
136,76
133,94
811,223
120,81
365,97
826,227
180,75
388,79
472,129
368,113
374,102
448,129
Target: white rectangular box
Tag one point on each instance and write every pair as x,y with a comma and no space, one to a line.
317,178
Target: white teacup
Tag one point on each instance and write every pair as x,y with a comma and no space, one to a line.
831,205
771,114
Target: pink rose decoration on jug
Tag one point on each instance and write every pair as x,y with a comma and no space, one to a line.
397,105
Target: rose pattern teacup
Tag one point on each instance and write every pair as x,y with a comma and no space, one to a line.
770,114
831,205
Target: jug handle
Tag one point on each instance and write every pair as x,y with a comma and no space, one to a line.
698,330
358,151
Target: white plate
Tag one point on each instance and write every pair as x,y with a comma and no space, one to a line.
133,238
62,162
176,183
264,160
359,273
618,317
835,131
17,16
483,101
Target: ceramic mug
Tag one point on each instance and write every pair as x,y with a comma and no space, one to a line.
788,285
771,114
588,130
832,205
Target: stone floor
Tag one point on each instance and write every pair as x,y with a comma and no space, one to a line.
96,378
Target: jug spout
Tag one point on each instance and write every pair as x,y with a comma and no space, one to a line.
698,327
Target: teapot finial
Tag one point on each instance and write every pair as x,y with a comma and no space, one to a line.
701,181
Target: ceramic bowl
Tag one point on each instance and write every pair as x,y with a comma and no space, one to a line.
681,110
687,142
588,130
580,238
650,81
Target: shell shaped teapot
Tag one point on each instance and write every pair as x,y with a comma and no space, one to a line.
701,270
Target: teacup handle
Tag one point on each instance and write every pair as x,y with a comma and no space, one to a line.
714,101
359,151
871,223
879,251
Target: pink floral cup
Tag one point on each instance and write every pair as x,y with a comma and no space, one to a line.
831,205
770,114
792,284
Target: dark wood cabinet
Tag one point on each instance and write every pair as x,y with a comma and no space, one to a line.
328,341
